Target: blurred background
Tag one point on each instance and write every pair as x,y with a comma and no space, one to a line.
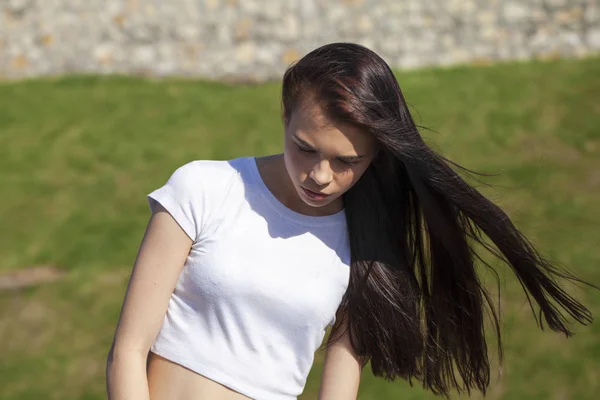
100,101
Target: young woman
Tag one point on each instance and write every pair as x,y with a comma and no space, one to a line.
358,225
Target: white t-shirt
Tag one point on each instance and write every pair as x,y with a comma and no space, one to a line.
260,285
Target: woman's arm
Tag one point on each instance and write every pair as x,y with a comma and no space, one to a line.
160,259
342,370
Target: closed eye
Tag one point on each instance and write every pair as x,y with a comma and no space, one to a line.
305,150
348,162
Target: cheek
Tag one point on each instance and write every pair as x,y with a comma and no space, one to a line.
294,164
348,178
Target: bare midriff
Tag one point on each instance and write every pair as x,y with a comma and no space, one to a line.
170,381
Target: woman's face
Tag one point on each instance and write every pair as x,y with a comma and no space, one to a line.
324,159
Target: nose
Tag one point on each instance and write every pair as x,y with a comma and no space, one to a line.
321,173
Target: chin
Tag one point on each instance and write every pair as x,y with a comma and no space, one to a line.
317,204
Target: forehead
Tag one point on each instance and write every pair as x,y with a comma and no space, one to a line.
310,113
310,124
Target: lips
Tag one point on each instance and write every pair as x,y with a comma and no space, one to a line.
315,195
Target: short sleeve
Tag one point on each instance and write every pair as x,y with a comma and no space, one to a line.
180,198
332,321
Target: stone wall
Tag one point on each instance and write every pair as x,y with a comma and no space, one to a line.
257,39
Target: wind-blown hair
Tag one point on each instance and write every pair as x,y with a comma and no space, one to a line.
415,304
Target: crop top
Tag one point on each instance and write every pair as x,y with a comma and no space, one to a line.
260,285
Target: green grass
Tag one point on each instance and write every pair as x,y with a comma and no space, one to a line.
78,156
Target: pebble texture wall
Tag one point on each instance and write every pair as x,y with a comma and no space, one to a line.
257,39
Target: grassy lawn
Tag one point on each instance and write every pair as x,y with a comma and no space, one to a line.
79,155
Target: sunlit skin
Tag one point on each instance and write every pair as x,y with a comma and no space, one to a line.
319,155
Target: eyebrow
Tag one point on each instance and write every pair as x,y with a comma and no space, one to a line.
343,158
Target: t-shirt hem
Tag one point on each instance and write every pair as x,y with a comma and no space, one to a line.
220,377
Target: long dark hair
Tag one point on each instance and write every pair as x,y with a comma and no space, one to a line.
415,304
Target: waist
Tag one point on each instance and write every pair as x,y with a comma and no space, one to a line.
168,380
